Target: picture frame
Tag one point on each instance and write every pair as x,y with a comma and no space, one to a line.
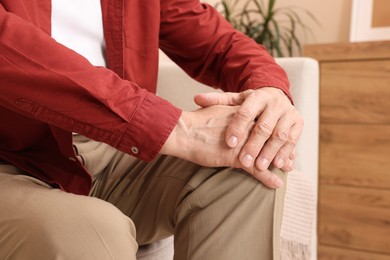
361,23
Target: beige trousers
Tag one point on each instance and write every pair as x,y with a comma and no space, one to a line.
214,213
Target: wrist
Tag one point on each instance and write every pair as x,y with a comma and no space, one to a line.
177,142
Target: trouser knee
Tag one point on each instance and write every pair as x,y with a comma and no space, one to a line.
218,211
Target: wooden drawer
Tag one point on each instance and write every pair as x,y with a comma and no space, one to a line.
334,253
348,51
356,155
355,91
354,169
355,218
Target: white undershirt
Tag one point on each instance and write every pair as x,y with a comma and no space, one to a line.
78,25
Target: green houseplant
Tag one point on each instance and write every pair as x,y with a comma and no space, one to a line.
274,27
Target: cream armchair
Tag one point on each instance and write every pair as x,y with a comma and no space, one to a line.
301,196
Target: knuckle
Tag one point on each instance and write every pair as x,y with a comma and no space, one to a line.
241,97
270,150
252,148
292,141
284,153
263,129
281,136
244,113
236,130
246,93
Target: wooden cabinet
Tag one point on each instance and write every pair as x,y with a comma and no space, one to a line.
354,170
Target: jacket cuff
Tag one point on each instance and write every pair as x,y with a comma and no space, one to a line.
149,128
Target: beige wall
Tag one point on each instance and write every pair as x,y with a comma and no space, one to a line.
333,15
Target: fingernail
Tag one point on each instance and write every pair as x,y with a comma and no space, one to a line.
247,160
279,163
232,141
263,165
278,183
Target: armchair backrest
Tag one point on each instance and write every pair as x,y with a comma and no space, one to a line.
177,87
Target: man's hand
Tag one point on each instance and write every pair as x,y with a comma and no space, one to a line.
199,136
276,131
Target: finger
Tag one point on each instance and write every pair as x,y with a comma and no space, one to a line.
287,149
293,154
268,178
243,120
260,133
274,143
288,166
287,161
227,98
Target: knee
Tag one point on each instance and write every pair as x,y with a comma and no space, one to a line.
232,186
91,229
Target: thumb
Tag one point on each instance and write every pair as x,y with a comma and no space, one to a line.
213,98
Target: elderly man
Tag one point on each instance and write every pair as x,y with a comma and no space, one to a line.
93,163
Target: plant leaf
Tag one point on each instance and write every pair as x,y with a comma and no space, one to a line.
273,27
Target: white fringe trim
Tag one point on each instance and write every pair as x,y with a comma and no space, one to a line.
292,250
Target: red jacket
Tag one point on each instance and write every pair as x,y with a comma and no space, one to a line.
48,91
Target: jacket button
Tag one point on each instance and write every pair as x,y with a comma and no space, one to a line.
134,150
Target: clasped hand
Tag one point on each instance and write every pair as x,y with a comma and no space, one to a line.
251,130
